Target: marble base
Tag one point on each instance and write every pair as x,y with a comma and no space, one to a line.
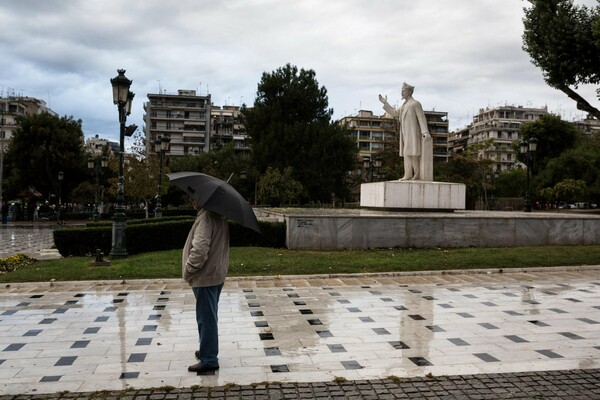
417,195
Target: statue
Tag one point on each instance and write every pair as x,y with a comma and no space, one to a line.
416,145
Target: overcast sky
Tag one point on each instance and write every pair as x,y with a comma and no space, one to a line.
461,55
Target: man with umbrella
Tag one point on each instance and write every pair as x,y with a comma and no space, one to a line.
205,258
205,263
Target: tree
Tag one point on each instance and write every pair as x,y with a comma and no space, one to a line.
563,40
290,126
554,136
42,146
568,189
275,187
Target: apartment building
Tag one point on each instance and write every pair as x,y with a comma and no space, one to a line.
226,127
184,117
496,129
14,106
96,146
372,132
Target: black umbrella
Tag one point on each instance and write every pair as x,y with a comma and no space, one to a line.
217,196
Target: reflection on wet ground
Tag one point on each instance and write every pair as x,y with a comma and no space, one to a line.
91,336
30,240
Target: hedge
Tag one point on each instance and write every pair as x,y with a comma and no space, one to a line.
158,236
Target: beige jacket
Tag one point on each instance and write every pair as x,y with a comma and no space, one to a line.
205,258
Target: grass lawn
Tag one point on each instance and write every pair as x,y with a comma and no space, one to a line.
253,261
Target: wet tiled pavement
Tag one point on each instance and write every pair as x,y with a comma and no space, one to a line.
34,240
321,334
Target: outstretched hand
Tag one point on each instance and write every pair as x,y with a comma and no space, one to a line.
383,99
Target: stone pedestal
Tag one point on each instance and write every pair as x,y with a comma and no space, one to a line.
413,195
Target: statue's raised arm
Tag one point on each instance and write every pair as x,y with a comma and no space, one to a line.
387,107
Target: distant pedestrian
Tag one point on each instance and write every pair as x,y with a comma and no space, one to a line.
4,212
205,262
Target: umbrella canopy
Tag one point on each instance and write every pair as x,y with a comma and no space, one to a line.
217,196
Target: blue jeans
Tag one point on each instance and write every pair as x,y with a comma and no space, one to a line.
207,307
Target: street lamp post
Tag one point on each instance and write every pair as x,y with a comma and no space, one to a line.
373,166
528,149
61,176
96,169
162,143
122,97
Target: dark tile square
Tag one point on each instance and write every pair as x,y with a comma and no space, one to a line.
9,312
159,308
248,290
570,335
489,304
400,308
53,378
261,324
435,328
509,294
293,295
80,295
154,317
486,357
446,305
110,309
122,294
381,331
288,289
315,322
256,313
299,303
588,321
324,334
549,354
573,300
336,348
420,361
534,302
365,287
366,319
353,309
539,323
117,301
417,317
334,294
453,289
101,319
465,315
253,305
351,365
488,325
558,311
47,321
165,292
149,328
80,344
36,296
2,362
14,347
143,342
129,375
513,313
516,339
398,345
136,358
458,342
280,368
343,301
429,298
23,304
414,291
91,330
470,296
272,351
266,336
387,300
33,332
306,312
162,299
60,311
65,361
71,302
375,292
251,297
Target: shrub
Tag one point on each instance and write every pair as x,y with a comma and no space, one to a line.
158,236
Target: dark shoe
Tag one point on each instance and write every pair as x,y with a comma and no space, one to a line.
201,368
197,354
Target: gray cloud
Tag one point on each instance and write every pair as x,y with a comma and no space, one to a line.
461,56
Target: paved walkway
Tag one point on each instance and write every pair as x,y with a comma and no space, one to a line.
33,239
511,335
